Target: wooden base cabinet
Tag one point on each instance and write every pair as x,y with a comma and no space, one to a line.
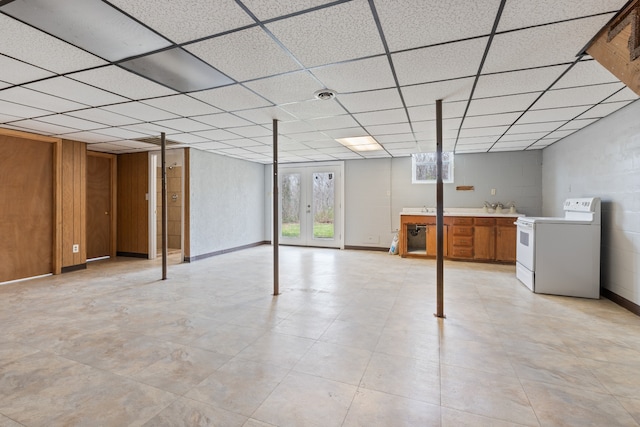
484,239
506,240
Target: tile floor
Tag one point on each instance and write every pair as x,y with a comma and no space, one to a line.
351,341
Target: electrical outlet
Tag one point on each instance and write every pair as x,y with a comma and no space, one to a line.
76,249
493,191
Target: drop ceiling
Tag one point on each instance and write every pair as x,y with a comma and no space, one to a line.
214,75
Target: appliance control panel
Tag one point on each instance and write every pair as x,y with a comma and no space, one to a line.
584,204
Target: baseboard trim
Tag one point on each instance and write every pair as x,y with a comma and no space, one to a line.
132,255
367,248
76,267
621,301
225,251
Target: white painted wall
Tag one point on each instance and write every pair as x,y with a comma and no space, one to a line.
603,160
226,202
377,190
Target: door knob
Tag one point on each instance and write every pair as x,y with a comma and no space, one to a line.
106,213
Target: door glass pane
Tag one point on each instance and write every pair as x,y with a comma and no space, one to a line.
290,216
323,205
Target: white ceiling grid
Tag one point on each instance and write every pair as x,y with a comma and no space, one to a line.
387,60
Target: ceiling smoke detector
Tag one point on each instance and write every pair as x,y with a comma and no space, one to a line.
325,94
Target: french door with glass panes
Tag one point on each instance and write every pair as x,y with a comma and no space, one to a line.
310,205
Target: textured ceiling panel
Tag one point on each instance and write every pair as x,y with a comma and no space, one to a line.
117,80
17,72
519,137
273,8
428,112
122,133
102,116
501,104
339,33
217,135
534,127
71,122
397,138
384,99
625,94
577,124
603,110
42,127
222,120
551,115
383,117
538,46
312,109
336,122
182,105
183,125
389,129
21,95
509,83
260,57
488,131
490,120
585,73
251,131
18,110
409,23
140,111
35,47
75,91
150,129
283,89
265,115
231,98
355,76
583,95
443,62
451,90
187,138
90,137
182,23
519,14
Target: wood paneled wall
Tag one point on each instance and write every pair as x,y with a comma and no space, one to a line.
74,168
30,205
133,214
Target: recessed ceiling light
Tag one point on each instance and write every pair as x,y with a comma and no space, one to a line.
360,143
325,94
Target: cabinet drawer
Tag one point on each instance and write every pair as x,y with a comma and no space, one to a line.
462,241
462,231
485,221
461,252
506,221
462,220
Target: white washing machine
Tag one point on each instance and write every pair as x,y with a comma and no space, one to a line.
561,256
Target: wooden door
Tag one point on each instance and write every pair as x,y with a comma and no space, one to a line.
484,242
99,204
432,240
506,241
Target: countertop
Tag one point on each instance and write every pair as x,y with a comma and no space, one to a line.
461,212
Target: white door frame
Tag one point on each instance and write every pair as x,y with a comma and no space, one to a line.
153,205
339,208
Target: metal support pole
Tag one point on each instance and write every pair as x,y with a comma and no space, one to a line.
276,220
163,149
439,216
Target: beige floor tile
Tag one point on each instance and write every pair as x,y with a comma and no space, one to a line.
632,406
486,394
277,349
412,343
228,339
255,423
374,409
479,356
455,418
304,325
402,376
335,362
303,400
187,413
353,334
558,405
239,386
8,422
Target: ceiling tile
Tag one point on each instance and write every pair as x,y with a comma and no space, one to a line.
551,115
519,14
428,112
307,136
22,111
346,133
519,137
501,104
336,122
355,76
217,135
150,129
213,145
261,56
430,125
17,72
511,146
488,131
442,62
602,110
383,117
4,118
186,138
383,99
520,128
183,125
297,126
71,122
181,23
43,128
117,80
342,32
625,94
377,130
313,109
577,124
514,82
21,95
75,91
231,98
472,148
122,133
548,45
583,95
490,120
251,131
223,120
182,105
401,145
90,137
428,93
265,115
286,88
409,23
585,73
37,48
324,144
396,138
107,147
242,143
140,111
102,116
4,84
560,133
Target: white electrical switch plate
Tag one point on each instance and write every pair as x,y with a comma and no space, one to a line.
76,249
493,191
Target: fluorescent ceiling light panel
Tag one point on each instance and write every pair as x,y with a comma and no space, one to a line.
360,143
90,24
178,70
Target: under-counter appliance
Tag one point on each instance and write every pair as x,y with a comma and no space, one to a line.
561,256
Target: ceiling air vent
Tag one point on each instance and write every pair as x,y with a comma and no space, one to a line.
325,94
155,140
